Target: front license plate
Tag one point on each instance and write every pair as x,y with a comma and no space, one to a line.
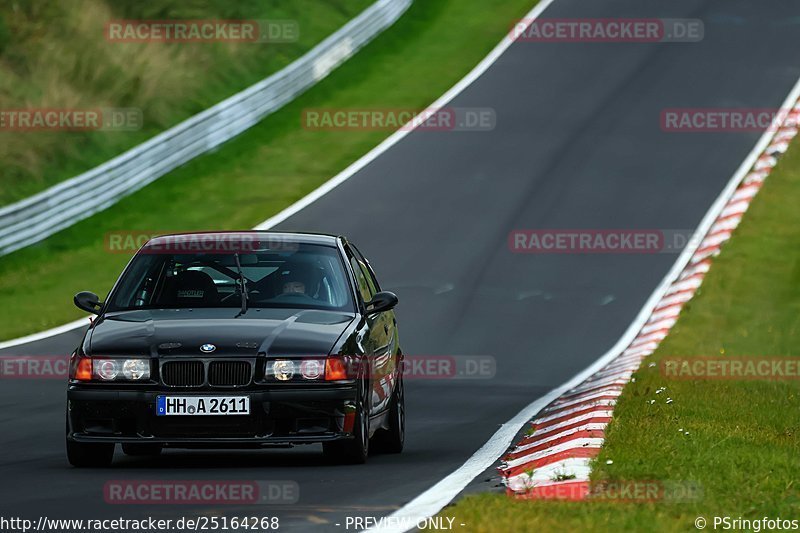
202,405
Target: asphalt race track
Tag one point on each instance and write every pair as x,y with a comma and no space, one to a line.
577,144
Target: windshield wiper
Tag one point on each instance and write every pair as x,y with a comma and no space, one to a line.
242,284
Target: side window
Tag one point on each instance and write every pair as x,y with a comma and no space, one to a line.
361,280
373,283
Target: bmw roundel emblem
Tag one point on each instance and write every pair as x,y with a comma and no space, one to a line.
207,348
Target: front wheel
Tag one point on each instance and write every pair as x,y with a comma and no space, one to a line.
391,439
352,451
90,455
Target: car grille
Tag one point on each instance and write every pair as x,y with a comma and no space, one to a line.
193,373
228,373
183,373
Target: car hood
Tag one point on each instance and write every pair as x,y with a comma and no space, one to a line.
182,332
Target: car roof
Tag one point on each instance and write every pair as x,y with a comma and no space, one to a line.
267,236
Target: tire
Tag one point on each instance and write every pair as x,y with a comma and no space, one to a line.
391,440
147,449
86,455
352,451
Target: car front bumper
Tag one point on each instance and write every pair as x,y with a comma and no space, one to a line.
277,417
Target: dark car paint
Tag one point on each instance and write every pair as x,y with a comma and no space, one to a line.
269,331
371,340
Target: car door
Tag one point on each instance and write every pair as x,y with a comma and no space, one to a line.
374,339
386,363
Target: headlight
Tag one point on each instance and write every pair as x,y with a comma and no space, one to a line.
283,369
127,369
105,369
312,369
305,369
135,369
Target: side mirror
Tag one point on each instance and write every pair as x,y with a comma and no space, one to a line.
88,301
383,301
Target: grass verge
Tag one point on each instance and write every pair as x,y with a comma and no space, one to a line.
742,449
267,168
55,55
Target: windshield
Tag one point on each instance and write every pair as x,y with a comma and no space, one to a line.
309,277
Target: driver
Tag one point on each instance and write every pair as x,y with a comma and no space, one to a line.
297,281
294,287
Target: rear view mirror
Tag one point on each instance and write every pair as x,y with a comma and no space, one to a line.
383,301
248,259
88,301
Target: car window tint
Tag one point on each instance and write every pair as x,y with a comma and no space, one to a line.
361,280
373,283
308,277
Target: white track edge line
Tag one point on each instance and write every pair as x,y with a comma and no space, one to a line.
433,500
33,337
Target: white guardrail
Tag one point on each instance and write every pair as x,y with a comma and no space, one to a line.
39,216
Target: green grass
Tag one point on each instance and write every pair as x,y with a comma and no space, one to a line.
743,446
55,55
266,169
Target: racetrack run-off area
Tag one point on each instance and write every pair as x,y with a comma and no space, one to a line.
554,460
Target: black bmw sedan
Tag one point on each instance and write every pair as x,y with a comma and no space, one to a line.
238,339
